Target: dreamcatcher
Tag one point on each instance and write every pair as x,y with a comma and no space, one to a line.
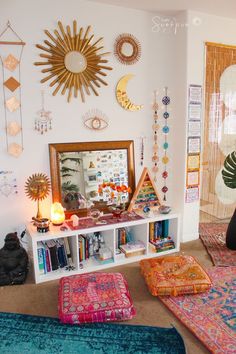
11,51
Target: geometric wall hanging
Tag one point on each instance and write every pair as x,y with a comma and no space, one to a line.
122,96
10,55
95,120
127,49
8,185
74,63
145,195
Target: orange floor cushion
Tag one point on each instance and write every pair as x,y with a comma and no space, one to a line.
174,275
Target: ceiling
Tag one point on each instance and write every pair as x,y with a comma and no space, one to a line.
225,8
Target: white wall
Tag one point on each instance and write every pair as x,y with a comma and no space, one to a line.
206,28
154,70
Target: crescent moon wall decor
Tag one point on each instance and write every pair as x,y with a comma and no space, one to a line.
75,63
122,97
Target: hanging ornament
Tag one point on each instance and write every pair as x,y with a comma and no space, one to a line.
155,128
44,122
11,81
142,138
165,130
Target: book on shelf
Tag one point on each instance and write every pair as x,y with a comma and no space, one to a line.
135,248
161,245
53,254
41,258
158,229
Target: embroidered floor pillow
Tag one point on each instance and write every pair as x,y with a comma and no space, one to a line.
94,297
174,275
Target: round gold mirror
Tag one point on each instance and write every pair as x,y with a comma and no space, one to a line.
127,49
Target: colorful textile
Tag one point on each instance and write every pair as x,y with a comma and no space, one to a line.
213,238
174,275
94,297
210,316
24,334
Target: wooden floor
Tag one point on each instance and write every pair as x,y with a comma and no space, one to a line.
204,217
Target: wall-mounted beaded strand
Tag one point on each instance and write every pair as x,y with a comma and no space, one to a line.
155,128
165,130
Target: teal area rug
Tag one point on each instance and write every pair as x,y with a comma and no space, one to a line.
24,334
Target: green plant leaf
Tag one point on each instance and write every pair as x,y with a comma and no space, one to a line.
229,170
69,187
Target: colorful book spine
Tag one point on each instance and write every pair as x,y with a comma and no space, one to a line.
151,231
165,228
41,258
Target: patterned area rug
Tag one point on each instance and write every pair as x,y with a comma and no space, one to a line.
213,238
210,316
24,334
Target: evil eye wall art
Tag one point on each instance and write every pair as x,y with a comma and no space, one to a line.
95,120
165,130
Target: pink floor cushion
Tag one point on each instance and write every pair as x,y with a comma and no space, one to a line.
174,275
94,297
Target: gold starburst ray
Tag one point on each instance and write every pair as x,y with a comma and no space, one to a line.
54,40
75,61
53,48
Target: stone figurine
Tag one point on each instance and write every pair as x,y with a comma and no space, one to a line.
13,261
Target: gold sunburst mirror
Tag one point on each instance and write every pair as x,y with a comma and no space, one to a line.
75,63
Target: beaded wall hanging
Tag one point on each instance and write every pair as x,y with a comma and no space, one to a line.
165,130
11,51
43,122
155,128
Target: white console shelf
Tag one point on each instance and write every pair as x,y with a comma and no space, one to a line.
140,231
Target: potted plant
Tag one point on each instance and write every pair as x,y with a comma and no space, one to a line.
229,178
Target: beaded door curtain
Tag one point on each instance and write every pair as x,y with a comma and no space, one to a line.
219,129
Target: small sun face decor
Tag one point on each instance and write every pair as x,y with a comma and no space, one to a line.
75,63
37,187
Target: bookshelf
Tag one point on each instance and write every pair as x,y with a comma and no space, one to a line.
139,231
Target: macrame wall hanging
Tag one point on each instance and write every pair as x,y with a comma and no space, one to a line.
165,130
43,122
11,50
155,128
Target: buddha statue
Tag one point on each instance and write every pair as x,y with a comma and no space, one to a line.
13,261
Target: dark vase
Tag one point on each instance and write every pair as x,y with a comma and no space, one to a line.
231,233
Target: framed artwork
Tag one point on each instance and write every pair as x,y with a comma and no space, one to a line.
194,145
193,162
193,178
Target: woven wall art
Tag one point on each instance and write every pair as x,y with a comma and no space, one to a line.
11,50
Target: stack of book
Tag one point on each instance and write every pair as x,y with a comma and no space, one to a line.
161,245
159,238
132,249
53,254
